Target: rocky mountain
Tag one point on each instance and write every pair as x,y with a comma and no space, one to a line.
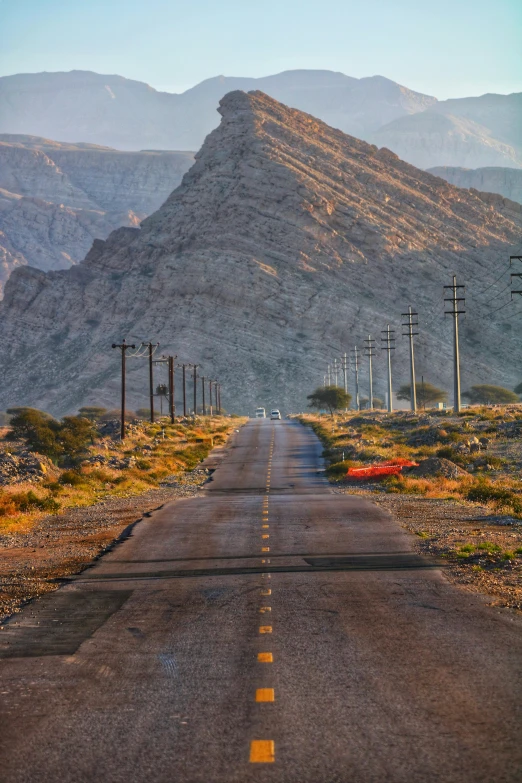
111,110
507,182
56,198
464,132
286,243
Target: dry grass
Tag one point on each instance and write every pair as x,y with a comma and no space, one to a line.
170,450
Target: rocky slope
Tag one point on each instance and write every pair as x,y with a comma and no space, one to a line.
494,179
286,243
56,198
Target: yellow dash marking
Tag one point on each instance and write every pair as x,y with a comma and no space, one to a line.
265,657
268,591
265,629
265,694
265,535
265,526
264,609
262,751
265,549
264,561
265,576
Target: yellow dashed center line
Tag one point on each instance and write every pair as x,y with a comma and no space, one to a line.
262,751
265,549
265,657
265,629
268,591
265,527
265,694
265,536
264,609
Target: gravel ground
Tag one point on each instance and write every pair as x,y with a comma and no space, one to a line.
32,563
443,527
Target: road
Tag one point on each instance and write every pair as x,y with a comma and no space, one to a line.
267,630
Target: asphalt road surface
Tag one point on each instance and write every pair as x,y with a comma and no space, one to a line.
267,630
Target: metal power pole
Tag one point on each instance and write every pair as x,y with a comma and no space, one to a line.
388,340
345,371
455,312
195,378
123,348
356,363
410,324
369,347
336,377
329,376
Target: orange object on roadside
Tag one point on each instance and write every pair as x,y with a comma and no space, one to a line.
383,469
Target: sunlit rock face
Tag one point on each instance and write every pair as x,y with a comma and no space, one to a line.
286,243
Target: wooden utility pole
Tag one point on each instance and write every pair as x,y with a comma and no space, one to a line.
195,378
455,312
203,379
218,398
369,346
410,324
388,340
172,404
184,366
210,382
152,347
123,348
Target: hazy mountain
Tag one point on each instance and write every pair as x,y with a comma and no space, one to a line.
111,110
507,182
286,243
56,198
464,132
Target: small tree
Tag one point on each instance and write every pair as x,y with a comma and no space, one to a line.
92,412
333,398
487,394
426,393
518,389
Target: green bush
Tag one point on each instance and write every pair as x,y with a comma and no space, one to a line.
484,492
72,477
338,470
63,440
143,464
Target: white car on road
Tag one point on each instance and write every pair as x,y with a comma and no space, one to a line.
275,414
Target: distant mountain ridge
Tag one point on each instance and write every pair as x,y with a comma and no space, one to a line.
110,110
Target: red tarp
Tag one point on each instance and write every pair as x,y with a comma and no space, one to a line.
382,469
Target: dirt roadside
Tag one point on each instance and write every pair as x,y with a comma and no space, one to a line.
33,563
477,546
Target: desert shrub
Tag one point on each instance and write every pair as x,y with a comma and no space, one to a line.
485,492
143,464
64,440
27,501
448,452
72,477
338,470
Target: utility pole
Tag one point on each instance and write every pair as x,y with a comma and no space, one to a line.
345,371
455,312
123,348
369,352
195,378
336,377
356,362
218,398
410,324
172,404
203,379
184,367
388,340
210,382
151,347
329,376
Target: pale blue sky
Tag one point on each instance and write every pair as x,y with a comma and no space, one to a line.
447,48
